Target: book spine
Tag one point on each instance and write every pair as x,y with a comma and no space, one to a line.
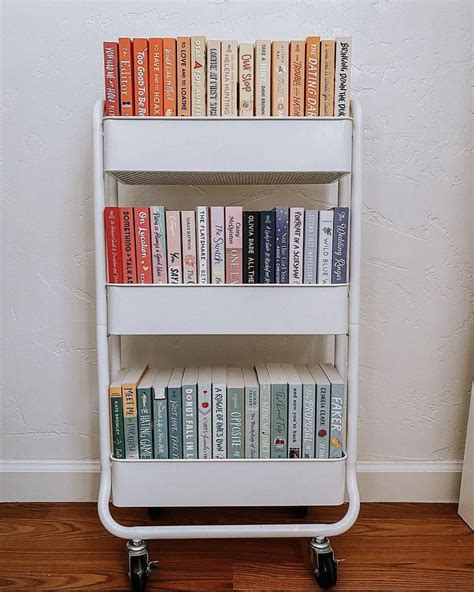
309,420
188,233
322,421
213,78
126,76
155,69
296,245
246,79
143,245
111,78
173,237
340,241
326,218
235,423
113,245
160,428
279,421
219,415
130,421
295,412
281,245
233,245
263,52
127,235
343,76
326,96
116,422
140,70
190,428
198,75
310,246
337,432
205,421
297,78
265,420
184,76
251,243
169,77
202,235
217,245
280,63
312,76
229,79
251,422
145,438
175,423
158,244
267,248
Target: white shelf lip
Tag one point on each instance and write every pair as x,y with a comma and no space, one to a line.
233,286
227,460
221,118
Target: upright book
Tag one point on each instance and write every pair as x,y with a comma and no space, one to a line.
325,242
233,245
263,91
141,82
326,98
190,421
309,411
312,76
323,411
143,245
158,244
295,411
130,410
175,414
252,413
111,78
297,78
160,413
184,76
173,236
296,246
281,245
279,412
188,233
145,411
342,76
235,413
203,244
198,75
116,415
265,410
229,80
340,243
310,257
266,255
219,412
246,79
127,246
280,78
204,405
126,76
250,248
113,245
155,74
337,421
217,244
169,77
213,78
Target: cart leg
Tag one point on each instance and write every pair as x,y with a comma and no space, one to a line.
138,565
323,561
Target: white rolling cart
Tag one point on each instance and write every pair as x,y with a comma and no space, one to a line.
238,151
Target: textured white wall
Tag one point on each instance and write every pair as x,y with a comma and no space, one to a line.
411,71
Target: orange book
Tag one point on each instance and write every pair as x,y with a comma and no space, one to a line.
140,68
297,71
326,99
112,103
312,77
184,76
126,76
169,77
155,68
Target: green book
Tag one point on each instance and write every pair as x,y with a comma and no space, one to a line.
144,398
160,414
337,423
190,428
116,415
235,413
130,411
175,414
278,412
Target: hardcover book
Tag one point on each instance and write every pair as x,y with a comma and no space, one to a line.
202,235
342,76
297,78
173,236
145,426
309,411
160,413
311,222
205,413
169,77
190,423
295,411
111,78
213,78
326,218
184,76
175,414
140,70
246,80
337,421
229,79
233,245
113,245
252,413
296,249
281,245
127,246
130,410
326,95
323,411
263,93
235,413
219,412
340,241
198,75
279,412
312,76
267,247
265,409
280,79
251,246
155,71
158,244
116,415
126,76
217,245
143,245
188,233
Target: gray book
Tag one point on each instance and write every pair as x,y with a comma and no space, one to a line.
310,246
235,413
175,414
323,412
189,399
337,422
309,410
279,412
265,409
160,413
252,412
205,413
145,426
295,411
219,412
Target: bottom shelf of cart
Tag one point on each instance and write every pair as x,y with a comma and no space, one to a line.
231,482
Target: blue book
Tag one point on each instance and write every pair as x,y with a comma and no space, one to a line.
340,241
267,248
144,399
281,245
175,414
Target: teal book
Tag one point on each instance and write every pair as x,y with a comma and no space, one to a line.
219,412
264,415
309,411
144,400
323,412
189,402
235,414
337,423
295,411
116,415
160,414
130,411
175,414
278,412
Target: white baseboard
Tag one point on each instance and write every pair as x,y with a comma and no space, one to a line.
78,481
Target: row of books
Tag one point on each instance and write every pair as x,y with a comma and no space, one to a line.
217,245
190,76
269,411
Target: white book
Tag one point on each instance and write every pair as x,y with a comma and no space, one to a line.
323,412
263,91
198,76
188,234
265,409
229,80
296,245
190,428
310,251
246,80
217,226
205,413
202,239
252,404
219,412
326,222
309,411
213,78
295,411
342,87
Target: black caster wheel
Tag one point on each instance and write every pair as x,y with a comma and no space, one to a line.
300,511
138,573
154,513
327,571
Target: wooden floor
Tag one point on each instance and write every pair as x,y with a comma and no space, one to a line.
392,547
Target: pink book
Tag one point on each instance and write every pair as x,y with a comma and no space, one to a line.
143,246
173,235
217,245
188,237
233,245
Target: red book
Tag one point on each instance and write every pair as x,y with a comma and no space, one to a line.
143,245
113,246
140,70
126,76
111,78
155,54
127,239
